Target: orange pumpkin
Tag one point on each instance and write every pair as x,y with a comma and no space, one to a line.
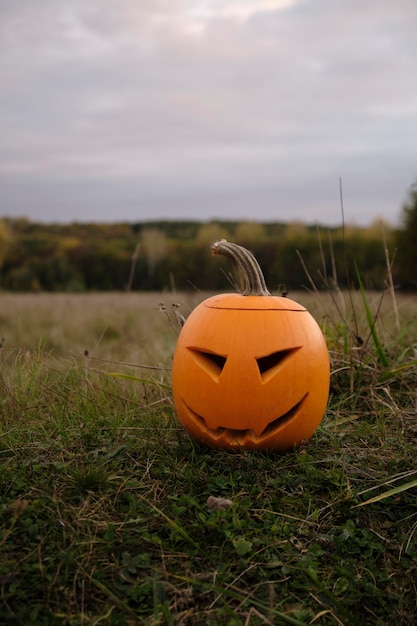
250,370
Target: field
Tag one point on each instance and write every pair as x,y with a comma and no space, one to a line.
103,508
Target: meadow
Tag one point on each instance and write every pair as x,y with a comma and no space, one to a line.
103,508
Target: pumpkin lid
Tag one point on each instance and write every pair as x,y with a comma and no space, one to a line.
237,301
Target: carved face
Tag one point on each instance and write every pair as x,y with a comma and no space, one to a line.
252,372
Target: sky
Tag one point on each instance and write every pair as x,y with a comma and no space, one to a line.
253,110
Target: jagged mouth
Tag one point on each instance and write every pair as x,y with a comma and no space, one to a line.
247,435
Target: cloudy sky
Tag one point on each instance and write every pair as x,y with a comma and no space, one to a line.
200,109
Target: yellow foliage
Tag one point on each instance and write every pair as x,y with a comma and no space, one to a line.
208,233
5,239
296,230
249,232
68,243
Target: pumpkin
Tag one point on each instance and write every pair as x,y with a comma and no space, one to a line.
250,370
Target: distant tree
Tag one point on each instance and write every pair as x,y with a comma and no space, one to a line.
99,256
154,245
5,238
405,269
211,232
296,231
249,232
379,226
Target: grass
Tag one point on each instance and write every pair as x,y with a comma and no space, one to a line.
103,497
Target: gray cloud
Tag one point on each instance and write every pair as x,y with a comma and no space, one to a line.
177,108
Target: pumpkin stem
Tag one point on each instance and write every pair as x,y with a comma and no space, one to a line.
253,279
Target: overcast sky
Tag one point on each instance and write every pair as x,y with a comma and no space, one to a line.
200,109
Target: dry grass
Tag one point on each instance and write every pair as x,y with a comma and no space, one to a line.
127,325
113,326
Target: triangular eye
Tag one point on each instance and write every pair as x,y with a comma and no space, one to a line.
212,363
268,363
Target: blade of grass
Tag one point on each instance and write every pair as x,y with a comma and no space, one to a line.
371,322
121,604
391,282
389,481
397,370
388,494
146,381
171,522
236,594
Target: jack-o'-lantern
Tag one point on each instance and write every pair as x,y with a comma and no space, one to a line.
250,370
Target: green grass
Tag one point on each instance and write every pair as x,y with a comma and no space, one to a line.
103,497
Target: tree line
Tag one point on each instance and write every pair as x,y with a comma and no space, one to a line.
168,255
